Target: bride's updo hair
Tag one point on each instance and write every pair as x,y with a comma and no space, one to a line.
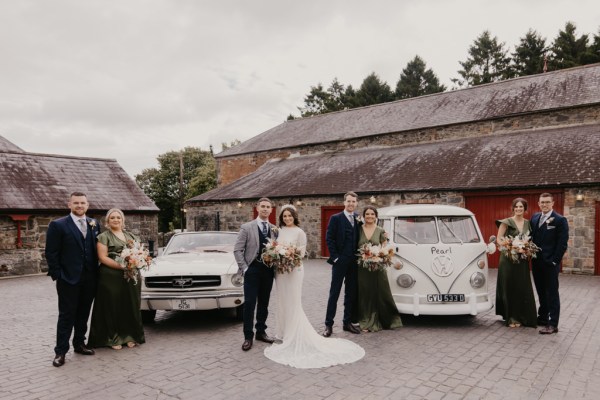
292,210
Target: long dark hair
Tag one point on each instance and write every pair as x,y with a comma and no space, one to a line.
292,211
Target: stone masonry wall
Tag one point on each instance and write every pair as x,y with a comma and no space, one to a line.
581,216
234,167
30,259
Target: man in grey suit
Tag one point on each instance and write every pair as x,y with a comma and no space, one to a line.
258,278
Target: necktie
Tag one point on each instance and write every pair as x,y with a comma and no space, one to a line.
264,229
351,219
542,219
83,227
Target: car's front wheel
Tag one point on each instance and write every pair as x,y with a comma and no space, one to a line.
148,316
239,312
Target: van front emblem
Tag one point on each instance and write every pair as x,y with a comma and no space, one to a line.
442,266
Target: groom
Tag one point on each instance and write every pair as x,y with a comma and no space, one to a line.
342,239
258,278
550,232
73,264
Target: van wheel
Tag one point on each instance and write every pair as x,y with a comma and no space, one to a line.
148,316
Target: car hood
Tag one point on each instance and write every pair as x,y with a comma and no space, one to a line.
193,264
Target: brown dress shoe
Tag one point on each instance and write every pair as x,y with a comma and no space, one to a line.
82,349
328,331
351,328
263,337
247,345
59,360
548,330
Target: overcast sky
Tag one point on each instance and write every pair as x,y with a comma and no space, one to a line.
132,79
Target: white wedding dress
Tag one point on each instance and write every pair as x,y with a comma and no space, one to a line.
302,346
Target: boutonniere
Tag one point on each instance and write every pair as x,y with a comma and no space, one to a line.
275,230
92,223
359,219
549,220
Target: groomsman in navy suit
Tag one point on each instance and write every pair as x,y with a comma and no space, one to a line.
550,232
73,264
342,240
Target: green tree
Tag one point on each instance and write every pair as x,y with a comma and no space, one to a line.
528,58
314,102
234,142
373,91
568,50
593,53
415,80
320,100
169,185
488,61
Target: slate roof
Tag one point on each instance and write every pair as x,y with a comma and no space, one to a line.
566,156
553,90
6,145
32,181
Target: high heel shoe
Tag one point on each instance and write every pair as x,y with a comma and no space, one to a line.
117,347
131,344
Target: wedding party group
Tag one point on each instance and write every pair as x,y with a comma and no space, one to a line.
542,240
103,269
74,248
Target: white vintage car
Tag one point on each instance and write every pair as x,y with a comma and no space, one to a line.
441,260
196,271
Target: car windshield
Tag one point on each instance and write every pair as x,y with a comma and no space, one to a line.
201,243
458,230
415,230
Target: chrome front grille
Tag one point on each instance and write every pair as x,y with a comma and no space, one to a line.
183,281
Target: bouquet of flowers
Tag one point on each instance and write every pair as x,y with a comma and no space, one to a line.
375,257
133,258
518,248
284,258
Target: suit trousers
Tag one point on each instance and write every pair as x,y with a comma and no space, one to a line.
545,276
258,282
344,271
74,305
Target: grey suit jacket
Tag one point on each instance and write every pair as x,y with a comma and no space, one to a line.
247,245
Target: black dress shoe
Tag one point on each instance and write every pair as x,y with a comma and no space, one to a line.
263,337
351,328
82,349
548,330
328,331
247,345
59,360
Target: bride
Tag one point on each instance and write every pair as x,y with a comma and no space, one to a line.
302,346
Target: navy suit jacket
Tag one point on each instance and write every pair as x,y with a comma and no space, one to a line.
552,237
336,236
65,249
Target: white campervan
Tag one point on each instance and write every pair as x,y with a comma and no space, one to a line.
441,266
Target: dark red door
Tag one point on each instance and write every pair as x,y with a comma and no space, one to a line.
597,239
491,206
326,213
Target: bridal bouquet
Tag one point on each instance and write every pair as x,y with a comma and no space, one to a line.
133,258
284,258
518,248
375,257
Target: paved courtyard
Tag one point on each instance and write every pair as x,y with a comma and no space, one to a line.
197,355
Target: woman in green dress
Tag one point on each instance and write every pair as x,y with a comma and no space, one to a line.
514,292
376,307
116,319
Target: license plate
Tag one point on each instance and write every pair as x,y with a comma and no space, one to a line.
445,298
182,304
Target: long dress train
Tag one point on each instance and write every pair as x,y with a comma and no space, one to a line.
302,346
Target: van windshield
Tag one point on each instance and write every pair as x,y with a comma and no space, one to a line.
415,230
458,230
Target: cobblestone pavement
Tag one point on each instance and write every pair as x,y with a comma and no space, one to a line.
197,355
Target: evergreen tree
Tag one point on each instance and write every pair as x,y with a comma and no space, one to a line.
528,58
373,91
568,50
488,61
415,80
593,53
314,102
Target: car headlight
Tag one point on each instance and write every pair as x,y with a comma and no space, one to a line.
237,280
405,280
477,280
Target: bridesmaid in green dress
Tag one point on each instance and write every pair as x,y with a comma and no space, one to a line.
116,319
376,307
514,292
